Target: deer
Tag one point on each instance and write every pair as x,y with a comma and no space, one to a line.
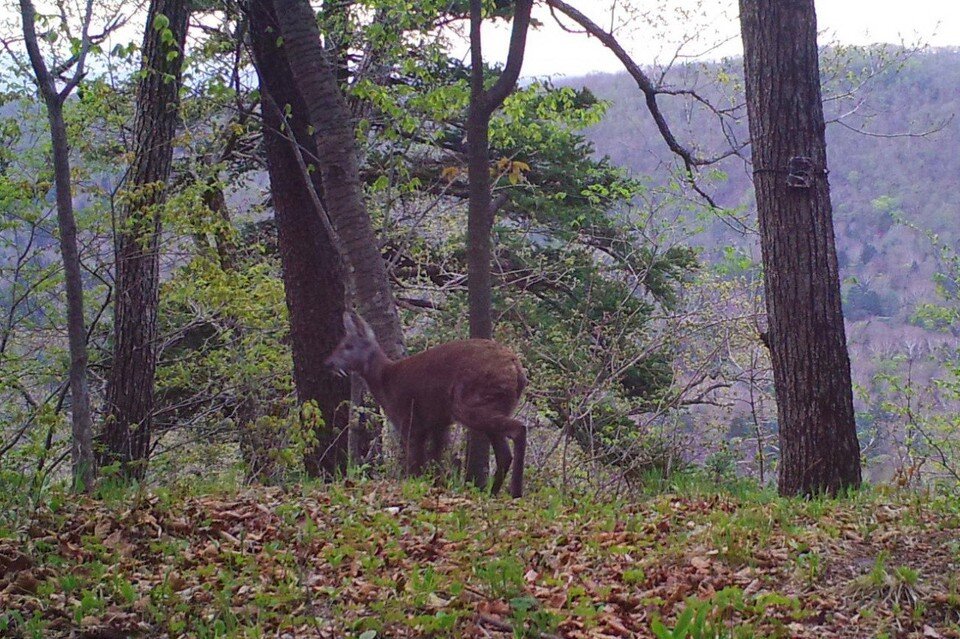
476,383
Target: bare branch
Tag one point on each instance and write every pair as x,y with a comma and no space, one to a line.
112,26
691,161
80,70
643,82
940,126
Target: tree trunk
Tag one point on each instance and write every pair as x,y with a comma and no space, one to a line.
312,271
479,250
130,385
82,458
818,440
480,214
315,77
83,462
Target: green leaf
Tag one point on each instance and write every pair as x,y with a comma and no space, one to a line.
160,21
660,630
684,620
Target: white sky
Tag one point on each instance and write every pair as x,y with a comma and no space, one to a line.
551,51
708,28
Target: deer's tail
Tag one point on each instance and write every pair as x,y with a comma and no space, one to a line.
521,379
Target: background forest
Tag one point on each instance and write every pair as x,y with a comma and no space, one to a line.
600,245
631,289
895,230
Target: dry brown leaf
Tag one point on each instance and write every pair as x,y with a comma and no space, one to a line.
12,561
25,583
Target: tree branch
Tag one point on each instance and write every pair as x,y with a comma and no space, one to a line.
80,71
643,82
511,71
690,160
44,80
112,26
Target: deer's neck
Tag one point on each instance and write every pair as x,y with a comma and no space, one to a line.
374,373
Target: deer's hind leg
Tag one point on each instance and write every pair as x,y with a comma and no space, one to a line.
498,429
501,450
488,411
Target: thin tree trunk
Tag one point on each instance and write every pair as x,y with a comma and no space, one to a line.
480,214
479,250
818,439
130,386
83,462
312,271
315,77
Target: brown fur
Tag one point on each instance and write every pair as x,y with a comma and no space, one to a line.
475,382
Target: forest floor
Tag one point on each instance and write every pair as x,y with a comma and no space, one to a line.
375,559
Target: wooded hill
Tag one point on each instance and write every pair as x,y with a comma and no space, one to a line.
893,165
892,123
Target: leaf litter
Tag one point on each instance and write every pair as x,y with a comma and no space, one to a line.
378,559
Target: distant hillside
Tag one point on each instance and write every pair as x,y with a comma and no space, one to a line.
876,180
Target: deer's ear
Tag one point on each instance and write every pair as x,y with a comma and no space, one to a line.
349,326
364,328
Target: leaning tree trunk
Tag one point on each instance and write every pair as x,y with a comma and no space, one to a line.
480,213
313,276
130,385
818,439
315,77
82,457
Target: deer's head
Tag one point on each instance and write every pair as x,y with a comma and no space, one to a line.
356,349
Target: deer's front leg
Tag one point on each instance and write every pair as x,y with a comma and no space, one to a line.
415,452
437,445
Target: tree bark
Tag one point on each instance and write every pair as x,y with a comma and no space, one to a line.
315,77
480,214
818,440
313,275
130,386
82,457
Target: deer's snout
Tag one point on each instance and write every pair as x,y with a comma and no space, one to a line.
335,365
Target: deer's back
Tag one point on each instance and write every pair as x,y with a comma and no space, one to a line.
475,370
